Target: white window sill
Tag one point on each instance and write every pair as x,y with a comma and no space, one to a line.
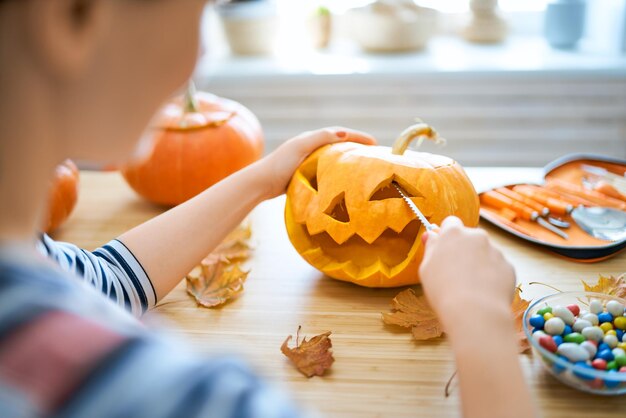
444,56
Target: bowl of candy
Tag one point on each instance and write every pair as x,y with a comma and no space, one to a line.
580,338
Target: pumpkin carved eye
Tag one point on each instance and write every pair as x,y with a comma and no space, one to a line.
309,171
337,209
386,190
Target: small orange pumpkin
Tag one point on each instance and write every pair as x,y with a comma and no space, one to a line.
63,195
344,217
199,139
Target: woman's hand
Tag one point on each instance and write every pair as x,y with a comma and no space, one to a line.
278,167
463,272
469,284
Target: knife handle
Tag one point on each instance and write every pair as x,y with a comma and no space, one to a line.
556,206
500,201
543,210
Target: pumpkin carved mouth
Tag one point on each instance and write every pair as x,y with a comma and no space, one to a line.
345,217
386,254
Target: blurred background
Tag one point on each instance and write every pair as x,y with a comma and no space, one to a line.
508,83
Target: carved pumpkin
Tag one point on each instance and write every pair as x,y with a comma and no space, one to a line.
63,195
344,217
198,140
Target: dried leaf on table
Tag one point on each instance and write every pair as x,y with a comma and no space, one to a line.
311,358
213,284
412,311
610,285
518,307
235,246
219,277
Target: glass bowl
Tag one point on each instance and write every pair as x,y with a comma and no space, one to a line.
589,380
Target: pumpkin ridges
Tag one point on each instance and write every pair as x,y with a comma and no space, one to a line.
186,160
63,195
354,172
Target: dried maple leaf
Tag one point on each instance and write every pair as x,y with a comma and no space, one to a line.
312,357
216,280
518,307
610,285
212,284
412,311
235,246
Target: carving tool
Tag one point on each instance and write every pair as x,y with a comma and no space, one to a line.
429,226
557,206
499,201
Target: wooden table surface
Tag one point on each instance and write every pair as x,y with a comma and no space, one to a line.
379,371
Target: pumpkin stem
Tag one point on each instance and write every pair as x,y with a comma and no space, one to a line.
421,131
190,101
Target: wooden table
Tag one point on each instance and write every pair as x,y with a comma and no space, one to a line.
379,371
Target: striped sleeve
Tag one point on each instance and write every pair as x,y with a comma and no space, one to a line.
112,269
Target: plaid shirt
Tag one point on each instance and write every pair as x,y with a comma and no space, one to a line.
66,351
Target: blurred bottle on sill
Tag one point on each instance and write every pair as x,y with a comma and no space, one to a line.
565,23
486,25
250,26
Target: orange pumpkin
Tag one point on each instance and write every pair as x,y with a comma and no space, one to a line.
63,195
344,217
199,139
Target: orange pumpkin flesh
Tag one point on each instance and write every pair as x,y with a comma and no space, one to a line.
195,145
63,195
345,219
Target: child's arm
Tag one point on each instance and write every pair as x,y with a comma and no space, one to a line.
470,285
171,244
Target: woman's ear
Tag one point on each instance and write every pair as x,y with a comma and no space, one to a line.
64,34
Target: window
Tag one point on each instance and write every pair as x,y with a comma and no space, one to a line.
453,6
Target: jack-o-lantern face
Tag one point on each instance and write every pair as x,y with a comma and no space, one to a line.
345,218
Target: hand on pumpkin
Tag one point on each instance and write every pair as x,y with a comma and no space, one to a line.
280,165
463,272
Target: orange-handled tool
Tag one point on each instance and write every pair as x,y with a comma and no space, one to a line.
556,206
500,201
543,210
600,199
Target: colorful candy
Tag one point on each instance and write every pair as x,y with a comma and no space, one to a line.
605,317
537,321
591,317
606,326
574,352
589,346
610,340
580,324
595,307
593,339
615,308
599,364
554,326
577,338
542,311
593,333
565,314
575,309
548,343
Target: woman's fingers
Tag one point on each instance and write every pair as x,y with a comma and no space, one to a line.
315,139
451,222
352,135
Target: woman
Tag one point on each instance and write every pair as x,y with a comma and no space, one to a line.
81,79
